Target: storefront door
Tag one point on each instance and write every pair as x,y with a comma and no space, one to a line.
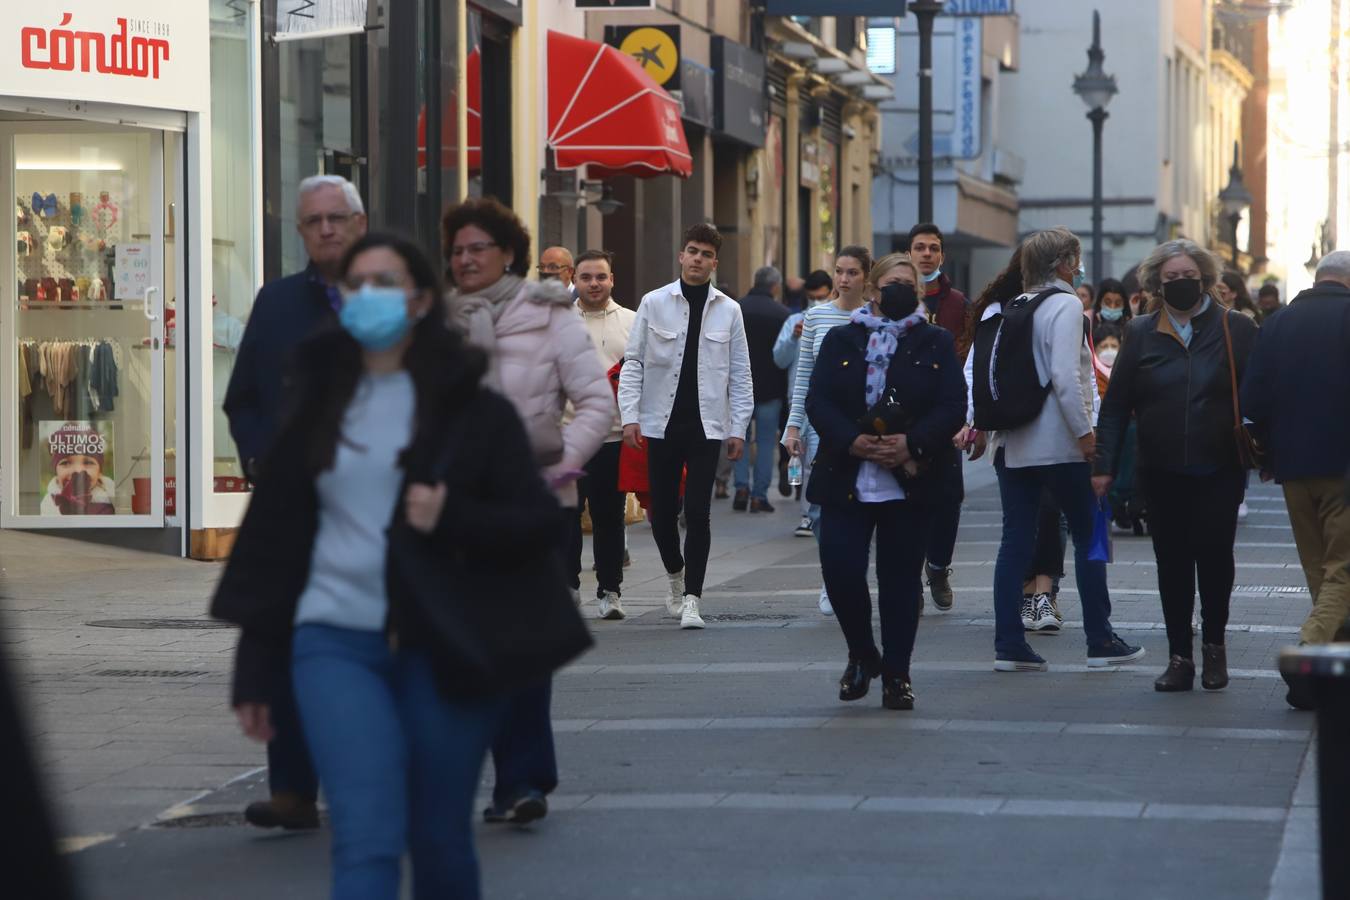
82,320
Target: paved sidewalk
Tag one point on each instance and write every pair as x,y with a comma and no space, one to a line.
720,763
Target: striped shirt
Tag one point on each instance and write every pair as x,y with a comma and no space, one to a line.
815,325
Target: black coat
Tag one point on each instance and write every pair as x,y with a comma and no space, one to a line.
1297,387
930,387
285,313
498,513
764,318
1181,398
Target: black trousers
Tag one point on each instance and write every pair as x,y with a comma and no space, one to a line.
846,533
683,448
600,488
1193,523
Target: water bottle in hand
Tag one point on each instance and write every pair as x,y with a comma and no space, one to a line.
795,471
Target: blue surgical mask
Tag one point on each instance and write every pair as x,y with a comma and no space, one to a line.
1079,277
1111,313
377,317
932,276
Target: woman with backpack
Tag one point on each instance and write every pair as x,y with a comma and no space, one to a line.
398,486
1177,374
886,400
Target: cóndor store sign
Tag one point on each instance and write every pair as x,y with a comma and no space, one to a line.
152,53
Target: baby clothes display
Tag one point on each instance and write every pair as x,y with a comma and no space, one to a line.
82,378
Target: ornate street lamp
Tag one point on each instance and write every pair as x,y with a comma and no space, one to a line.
1236,200
1096,89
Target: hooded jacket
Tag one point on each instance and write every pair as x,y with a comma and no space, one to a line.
947,306
609,329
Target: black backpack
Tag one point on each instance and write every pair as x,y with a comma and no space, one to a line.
1008,391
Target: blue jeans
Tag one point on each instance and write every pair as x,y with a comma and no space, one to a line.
399,763
522,750
1070,484
289,768
764,423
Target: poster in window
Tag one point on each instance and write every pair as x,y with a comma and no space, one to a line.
77,468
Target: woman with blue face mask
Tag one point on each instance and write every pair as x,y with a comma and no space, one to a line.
1109,306
391,438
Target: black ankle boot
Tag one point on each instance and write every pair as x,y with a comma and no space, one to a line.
1180,675
896,692
1214,671
857,679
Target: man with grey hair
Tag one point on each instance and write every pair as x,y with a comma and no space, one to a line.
764,317
556,262
1296,392
1050,451
330,218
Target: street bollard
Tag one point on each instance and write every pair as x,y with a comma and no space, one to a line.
1327,669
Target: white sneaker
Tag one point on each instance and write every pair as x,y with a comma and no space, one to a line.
1242,511
826,609
689,617
611,607
1047,619
1028,612
675,601
576,596
804,528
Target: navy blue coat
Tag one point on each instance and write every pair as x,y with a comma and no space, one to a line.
285,313
1296,389
929,385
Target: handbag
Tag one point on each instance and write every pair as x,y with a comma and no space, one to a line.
1101,550
1251,455
886,416
492,625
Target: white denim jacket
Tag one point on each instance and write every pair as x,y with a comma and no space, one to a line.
651,369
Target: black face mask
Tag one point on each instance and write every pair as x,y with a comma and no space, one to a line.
897,301
1182,294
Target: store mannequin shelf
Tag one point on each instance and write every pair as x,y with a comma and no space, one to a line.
109,305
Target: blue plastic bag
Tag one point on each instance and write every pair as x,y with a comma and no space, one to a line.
1100,550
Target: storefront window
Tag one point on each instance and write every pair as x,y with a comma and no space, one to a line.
234,263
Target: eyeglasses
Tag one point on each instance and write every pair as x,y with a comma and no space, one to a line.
353,283
335,220
474,249
552,269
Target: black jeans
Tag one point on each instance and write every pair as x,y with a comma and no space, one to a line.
289,767
684,449
600,488
523,756
1193,523
846,532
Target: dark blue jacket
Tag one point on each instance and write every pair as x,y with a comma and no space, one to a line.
1296,389
929,386
284,314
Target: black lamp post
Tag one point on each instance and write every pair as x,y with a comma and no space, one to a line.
925,11
1096,89
1236,200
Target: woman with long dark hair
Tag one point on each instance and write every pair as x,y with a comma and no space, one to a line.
391,434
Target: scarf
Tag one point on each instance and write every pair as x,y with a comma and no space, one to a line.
882,342
475,316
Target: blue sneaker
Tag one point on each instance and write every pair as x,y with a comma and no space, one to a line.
1114,653
1021,659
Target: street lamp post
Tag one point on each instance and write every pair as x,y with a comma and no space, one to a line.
1236,200
925,11
1096,89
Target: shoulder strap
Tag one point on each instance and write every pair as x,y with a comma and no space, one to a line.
1232,367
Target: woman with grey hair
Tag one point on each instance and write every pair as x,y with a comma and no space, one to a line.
1176,374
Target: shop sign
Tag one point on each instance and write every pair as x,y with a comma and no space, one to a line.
740,105
696,92
888,8
655,48
980,8
808,162
153,53
966,130
298,19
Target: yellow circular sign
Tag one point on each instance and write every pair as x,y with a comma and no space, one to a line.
655,51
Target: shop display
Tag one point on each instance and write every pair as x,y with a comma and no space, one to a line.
77,475
66,254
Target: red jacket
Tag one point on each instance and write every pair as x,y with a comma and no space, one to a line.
946,306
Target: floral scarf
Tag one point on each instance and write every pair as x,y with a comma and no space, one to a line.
882,342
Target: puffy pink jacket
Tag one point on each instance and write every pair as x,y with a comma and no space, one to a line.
545,358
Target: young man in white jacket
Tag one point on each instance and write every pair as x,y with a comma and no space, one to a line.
609,325
686,388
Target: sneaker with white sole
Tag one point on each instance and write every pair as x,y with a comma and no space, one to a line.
826,608
1020,659
804,528
1113,653
1028,612
611,607
689,617
1242,511
675,600
1047,619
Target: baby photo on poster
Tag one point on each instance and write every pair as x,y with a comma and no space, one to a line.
77,468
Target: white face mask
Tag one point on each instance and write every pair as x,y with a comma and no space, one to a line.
1108,357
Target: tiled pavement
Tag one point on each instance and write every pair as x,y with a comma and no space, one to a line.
720,764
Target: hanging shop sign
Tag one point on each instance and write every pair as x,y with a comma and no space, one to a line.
741,106
152,53
299,19
980,8
887,8
696,93
656,48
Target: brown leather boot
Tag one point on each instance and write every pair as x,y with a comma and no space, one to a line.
1214,670
286,811
1180,675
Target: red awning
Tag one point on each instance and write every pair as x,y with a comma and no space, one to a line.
604,112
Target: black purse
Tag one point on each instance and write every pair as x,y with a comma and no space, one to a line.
888,416
492,625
